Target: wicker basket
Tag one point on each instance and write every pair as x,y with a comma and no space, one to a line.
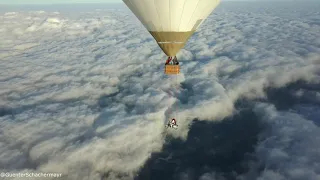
172,69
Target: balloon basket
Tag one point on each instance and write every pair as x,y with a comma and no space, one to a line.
172,69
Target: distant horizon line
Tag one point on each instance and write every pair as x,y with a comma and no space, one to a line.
63,3
120,2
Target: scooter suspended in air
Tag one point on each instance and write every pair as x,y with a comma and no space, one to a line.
172,124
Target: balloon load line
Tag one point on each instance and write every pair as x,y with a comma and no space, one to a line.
171,26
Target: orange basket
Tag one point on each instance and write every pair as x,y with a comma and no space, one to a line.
172,69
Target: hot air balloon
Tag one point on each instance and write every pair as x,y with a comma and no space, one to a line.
171,22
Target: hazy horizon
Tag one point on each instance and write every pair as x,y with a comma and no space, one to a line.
41,2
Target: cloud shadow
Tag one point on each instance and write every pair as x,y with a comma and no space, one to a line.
210,146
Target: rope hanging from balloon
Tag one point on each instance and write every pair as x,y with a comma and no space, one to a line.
176,117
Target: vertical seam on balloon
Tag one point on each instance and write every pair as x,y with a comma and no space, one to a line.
193,12
157,13
184,4
147,22
169,14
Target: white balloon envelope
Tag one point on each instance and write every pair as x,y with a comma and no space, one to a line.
171,22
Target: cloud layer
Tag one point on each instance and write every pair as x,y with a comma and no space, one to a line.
83,93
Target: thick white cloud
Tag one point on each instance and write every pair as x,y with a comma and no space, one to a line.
84,93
